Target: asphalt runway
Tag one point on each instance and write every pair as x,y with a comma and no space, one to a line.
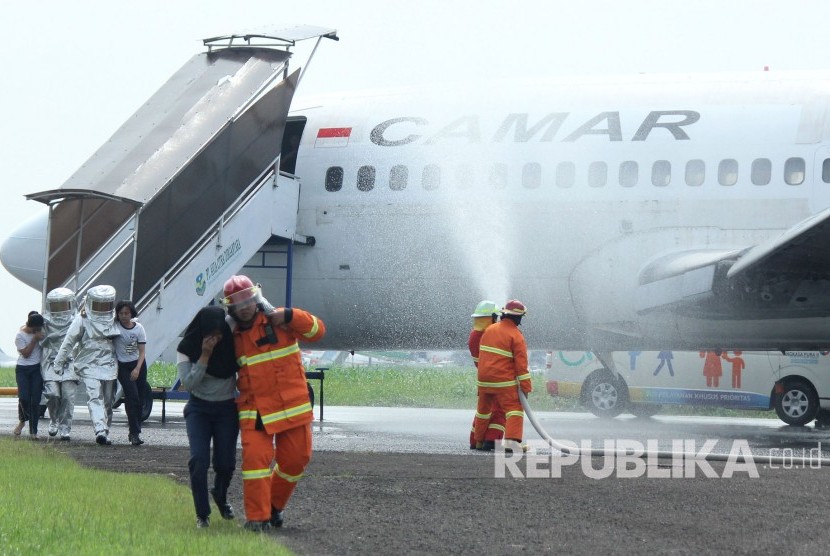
398,480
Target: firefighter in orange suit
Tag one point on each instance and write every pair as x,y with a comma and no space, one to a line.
485,314
502,365
274,408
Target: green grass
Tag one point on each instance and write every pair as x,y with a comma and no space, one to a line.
158,374
162,374
417,387
7,377
455,388
447,387
51,505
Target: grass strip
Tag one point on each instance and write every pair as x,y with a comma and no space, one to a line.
51,505
430,387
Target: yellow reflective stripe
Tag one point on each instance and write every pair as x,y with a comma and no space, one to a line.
525,376
252,474
286,413
497,351
496,384
286,476
247,414
497,427
475,359
483,415
515,414
314,328
268,356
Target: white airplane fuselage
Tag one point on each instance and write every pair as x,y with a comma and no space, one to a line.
565,194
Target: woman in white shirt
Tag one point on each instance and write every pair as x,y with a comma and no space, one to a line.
132,368
27,372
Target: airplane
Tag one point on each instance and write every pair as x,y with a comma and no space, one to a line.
7,360
651,212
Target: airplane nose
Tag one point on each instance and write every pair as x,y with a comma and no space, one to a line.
23,253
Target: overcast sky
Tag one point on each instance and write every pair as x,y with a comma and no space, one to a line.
73,71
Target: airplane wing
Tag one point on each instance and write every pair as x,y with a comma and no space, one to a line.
786,276
6,360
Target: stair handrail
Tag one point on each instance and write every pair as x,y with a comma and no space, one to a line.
117,251
215,228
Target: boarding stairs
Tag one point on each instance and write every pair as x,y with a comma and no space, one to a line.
188,189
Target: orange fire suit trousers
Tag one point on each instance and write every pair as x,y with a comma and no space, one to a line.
495,429
262,487
508,400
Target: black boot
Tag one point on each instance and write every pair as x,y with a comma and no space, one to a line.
225,509
276,518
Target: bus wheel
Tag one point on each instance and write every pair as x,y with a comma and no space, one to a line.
605,395
645,409
797,405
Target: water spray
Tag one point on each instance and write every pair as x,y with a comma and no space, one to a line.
601,452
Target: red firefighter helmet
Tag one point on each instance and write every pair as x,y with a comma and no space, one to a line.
239,290
514,307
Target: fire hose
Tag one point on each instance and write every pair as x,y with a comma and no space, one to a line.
664,454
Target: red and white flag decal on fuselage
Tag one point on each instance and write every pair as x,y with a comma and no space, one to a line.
333,137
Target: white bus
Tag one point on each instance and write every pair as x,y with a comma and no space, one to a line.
795,384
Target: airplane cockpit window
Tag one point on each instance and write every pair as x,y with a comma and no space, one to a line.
498,176
366,178
565,174
761,173
661,173
334,178
794,171
431,178
695,172
532,175
825,170
597,174
728,171
398,176
629,173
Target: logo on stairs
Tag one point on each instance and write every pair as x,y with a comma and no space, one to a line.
213,270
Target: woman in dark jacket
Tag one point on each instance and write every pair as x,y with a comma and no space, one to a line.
207,369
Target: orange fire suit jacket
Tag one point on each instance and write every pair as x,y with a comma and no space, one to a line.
474,343
502,358
271,378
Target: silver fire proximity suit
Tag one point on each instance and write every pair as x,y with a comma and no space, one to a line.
90,338
59,384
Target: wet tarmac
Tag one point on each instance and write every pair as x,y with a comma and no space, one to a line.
403,481
445,431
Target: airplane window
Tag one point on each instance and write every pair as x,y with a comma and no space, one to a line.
532,175
398,177
728,171
498,176
695,172
825,170
431,177
761,171
366,178
565,174
794,171
597,174
629,173
661,173
334,178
